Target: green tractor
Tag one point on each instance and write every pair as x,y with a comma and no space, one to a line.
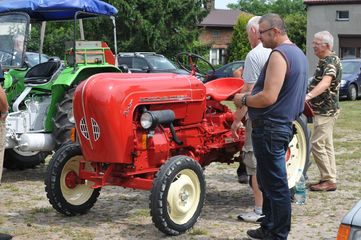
41,118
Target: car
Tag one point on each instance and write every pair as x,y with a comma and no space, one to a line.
147,62
32,58
224,71
350,227
351,79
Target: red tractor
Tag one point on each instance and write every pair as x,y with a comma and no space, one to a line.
154,132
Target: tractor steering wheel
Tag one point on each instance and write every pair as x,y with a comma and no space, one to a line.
194,64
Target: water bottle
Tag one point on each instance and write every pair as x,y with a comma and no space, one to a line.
300,193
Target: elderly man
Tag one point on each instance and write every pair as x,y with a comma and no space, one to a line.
276,101
323,95
254,63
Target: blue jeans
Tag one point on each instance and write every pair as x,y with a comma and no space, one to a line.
270,143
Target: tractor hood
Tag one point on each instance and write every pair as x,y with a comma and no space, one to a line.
105,103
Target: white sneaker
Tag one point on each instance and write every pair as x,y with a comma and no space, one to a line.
250,217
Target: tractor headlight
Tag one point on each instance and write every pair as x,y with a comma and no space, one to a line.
146,120
150,119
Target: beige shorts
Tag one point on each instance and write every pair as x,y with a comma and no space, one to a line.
248,157
251,163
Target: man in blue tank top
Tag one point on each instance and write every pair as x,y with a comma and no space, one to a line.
277,100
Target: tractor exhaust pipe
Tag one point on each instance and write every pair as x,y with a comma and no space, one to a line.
36,142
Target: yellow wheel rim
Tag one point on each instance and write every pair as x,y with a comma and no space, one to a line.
297,152
183,196
81,192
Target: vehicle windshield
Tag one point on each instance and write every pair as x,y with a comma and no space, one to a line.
33,58
13,28
160,63
350,67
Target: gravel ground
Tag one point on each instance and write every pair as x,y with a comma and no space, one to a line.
124,214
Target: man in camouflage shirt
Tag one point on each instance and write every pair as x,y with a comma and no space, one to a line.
323,94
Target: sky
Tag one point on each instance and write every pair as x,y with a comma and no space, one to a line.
222,4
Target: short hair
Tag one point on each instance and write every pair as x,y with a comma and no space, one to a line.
253,22
326,37
275,21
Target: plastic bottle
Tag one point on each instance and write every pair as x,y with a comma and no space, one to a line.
300,190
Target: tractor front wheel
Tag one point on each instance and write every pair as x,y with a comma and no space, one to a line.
177,196
66,192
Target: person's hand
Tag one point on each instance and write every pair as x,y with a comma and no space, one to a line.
237,123
238,73
237,100
234,128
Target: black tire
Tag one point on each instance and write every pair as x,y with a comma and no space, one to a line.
18,160
72,200
186,178
64,119
298,155
352,92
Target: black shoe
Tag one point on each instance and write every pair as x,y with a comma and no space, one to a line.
243,178
4,236
258,233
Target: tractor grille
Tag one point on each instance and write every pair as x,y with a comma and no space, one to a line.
96,129
84,129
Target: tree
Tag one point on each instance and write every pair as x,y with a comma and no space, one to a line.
239,46
293,12
296,29
163,26
261,7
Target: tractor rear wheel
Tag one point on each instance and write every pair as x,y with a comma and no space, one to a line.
64,119
16,159
177,196
66,192
298,153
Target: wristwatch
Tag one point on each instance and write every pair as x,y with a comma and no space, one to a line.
244,100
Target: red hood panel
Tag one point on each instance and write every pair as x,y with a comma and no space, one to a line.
104,105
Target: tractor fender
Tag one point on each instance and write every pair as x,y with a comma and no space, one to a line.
68,76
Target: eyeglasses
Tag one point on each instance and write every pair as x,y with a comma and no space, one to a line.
261,32
318,43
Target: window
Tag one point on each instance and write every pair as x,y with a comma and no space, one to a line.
216,34
217,56
348,52
342,15
139,63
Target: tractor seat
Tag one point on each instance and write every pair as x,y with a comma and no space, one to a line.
42,72
223,88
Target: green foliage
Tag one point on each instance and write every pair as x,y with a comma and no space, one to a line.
293,12
163,26
261,7
297,29
239,46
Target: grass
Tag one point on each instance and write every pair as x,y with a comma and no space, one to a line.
347,132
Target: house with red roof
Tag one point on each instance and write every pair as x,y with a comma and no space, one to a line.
217,30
